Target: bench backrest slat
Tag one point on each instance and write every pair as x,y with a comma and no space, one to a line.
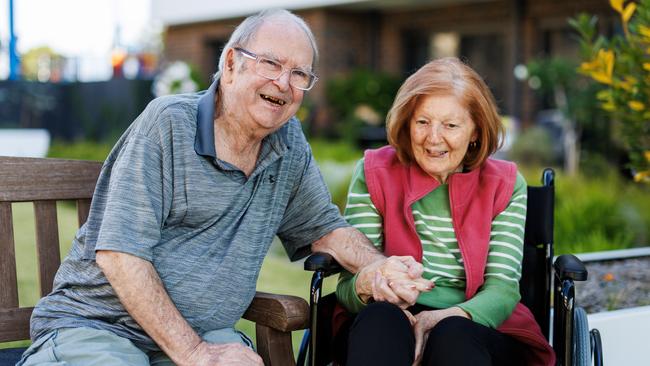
47,243
43,182
33,179
12,323
8,281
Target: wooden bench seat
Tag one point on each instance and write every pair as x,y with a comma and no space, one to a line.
46,181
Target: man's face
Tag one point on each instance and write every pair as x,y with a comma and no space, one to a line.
259,103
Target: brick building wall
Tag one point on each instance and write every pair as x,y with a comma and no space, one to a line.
497,34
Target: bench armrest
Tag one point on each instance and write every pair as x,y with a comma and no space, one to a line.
281,312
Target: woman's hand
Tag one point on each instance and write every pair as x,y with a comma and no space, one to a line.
425,321
397,280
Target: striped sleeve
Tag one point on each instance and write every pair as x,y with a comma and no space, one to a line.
497,298
362,214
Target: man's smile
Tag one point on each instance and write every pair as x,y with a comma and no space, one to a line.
273,100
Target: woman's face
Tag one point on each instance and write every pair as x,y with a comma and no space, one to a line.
441,130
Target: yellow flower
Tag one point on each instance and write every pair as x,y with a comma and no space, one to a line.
646,65
627,13
645,31
604,95
608,106
617,5
601,68
643,176
636,105
624,85
629,84
647,155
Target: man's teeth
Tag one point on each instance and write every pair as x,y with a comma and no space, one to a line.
273,100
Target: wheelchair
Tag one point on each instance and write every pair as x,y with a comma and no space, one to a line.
564,325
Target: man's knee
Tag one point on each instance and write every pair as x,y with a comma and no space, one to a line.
83,346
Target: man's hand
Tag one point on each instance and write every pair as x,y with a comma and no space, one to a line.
397,280
229,354
401,277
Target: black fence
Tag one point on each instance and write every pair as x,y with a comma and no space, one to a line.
99,111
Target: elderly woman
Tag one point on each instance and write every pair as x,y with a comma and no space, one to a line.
435,194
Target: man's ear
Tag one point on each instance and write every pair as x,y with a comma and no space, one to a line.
229,66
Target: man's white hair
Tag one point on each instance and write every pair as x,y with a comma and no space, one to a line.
246,31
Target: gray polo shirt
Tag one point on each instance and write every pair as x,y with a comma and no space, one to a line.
163,195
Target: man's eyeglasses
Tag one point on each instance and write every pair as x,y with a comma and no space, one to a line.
273,70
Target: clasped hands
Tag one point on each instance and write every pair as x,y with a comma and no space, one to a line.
396,279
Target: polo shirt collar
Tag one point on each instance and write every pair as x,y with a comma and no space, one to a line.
204,140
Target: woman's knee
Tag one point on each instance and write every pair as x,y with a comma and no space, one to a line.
451,333
381,317
382,311
381,335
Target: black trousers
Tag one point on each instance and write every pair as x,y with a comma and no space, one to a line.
382,335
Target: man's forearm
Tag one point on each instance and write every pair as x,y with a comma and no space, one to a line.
349,247
141,291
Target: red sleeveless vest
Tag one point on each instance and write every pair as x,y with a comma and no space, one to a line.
475,198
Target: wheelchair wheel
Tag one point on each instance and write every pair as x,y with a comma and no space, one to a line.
581,342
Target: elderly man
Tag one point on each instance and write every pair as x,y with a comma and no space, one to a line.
185,209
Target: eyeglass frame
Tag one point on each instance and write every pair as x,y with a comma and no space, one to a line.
253,56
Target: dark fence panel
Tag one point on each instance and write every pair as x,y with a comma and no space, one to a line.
95,110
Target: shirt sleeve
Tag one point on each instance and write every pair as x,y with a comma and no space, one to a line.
310,213
133,214
362,214
499,294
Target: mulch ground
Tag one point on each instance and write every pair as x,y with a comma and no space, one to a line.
613,285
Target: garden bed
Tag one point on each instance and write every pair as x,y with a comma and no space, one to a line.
615,283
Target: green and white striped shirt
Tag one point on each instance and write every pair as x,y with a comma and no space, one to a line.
442,259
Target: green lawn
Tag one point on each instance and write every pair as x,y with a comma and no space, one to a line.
278,275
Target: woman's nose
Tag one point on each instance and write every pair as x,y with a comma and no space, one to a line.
434,133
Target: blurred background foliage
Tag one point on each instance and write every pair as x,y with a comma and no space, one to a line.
620,64
596,209
360,99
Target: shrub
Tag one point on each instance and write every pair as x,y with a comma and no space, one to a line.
533,147
588,217
359,99
82,150
621,64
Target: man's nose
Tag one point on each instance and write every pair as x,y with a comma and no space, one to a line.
283,80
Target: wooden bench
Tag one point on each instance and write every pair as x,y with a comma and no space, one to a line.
46,181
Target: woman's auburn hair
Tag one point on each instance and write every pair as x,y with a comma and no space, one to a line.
447,76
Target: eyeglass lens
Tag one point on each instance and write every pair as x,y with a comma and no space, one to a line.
272,70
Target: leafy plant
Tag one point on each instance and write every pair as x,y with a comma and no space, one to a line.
177,77
588,217
621,64
558,83
359,99
82,150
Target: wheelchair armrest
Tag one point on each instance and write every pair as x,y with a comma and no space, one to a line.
322,262
568,266
281,312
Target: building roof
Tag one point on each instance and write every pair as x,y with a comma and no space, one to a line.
173,12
